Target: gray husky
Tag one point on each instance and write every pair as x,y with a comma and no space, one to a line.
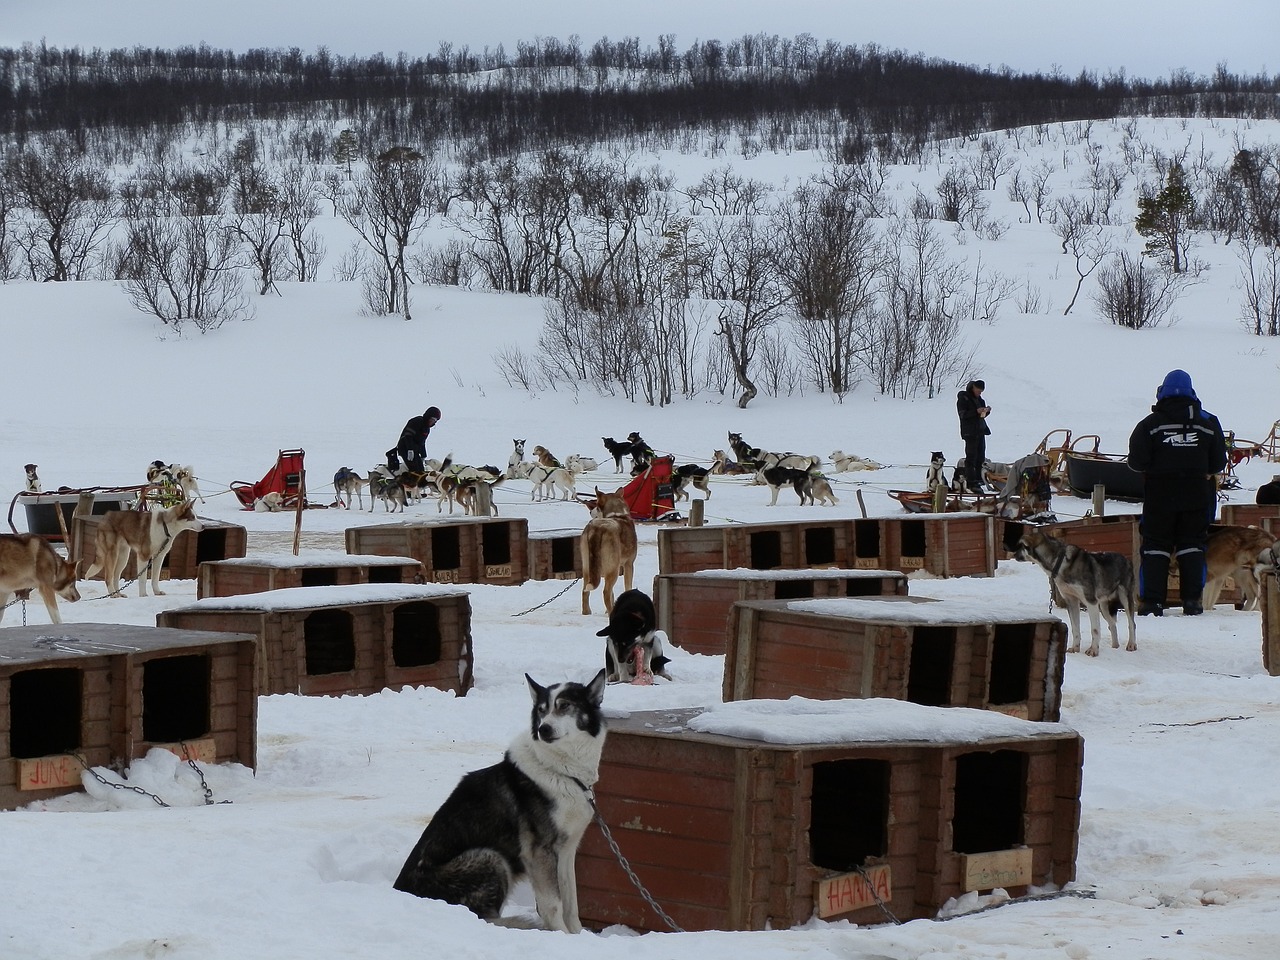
1102,581
521,817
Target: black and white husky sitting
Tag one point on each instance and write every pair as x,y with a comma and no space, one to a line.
934,476
521,817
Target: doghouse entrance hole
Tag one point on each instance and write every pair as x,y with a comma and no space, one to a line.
446,549
848,813
319,576
1012,535
862,587
1011,648
820,546
175,698
495,542
329,639
914,538
44,712
792,589
415,635
564,555
211,544
866,539
932,654
990,791
384,574
766,549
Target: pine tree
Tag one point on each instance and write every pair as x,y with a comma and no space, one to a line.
1163,219
345,149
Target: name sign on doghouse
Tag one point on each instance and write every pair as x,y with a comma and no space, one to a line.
852,891
998,868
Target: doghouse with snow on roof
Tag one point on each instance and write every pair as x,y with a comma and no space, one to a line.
762,814
555,554
1269,597
77,695
356,639
492,550
694,608
217,541
947,653
310,568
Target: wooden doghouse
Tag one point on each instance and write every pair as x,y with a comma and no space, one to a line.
946,653
310,568
1270,599
1264,515
217,541
91,694
1118,533
555,554
783,545
491,550
355,639
730,828
694,608
942,544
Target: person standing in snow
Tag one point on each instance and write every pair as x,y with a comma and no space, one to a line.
1178,448
412,445
973,412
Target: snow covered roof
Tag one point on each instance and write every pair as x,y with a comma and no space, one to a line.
922,610
807,573
313,558
305,598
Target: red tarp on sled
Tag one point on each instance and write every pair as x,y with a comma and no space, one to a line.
285,478
651,494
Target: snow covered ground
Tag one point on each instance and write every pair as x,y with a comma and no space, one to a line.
1178,847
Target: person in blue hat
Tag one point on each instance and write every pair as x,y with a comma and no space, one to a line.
1178,448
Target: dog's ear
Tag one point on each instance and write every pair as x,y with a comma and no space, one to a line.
595,689
602,633
536,690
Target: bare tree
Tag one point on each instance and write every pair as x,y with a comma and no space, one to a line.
388,206
1088,246
300,193
1260,280
258,221
1129,295
71,200
8,248
992,161
829,262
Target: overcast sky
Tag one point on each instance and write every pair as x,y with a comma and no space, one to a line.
1144,38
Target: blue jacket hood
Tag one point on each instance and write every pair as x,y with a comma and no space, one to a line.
1177,383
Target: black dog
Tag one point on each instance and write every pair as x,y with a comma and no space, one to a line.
690,474
617,449
641,453
633,648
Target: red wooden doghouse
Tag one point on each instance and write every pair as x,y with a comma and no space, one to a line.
492,550
1264,515
93,694
1270,599
947,653
356,639
217,541
763,814
694,608
943,544
310,568
555,554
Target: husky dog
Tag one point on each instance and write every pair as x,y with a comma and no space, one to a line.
1238,553
641,453
349,484
633,651
846,462
522,817
272,502
933,476
27,563
1102,582
547,474
148,535
515,461
744,453
185,477
385,486
617,449
721,464
820,490
460,484
577,464
607,548
775,476
33,484
690,475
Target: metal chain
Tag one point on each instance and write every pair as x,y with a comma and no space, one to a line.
884,907
132,788
549,600
191,762
624,863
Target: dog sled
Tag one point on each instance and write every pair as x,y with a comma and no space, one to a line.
1085,469
650,495
287,478
50,515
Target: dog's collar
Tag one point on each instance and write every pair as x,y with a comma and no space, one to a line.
1057,564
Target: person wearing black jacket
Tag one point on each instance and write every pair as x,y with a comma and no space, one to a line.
412,445
1178,448
973,412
